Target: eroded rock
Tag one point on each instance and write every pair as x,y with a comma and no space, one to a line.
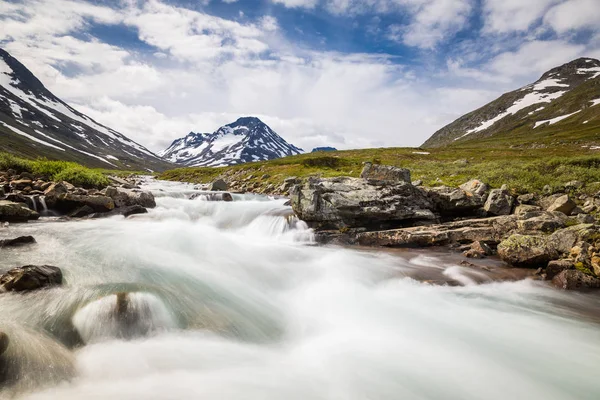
30,277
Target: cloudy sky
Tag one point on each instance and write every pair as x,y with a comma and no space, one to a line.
343,73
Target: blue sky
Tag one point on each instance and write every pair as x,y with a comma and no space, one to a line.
343,73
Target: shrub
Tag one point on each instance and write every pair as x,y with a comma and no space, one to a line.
50,169
81,176
8,161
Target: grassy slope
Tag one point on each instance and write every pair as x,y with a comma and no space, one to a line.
524,169
68,171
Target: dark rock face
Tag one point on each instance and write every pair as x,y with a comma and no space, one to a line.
334,203
453,202
4,342
30,277
20,241
325,148
385,173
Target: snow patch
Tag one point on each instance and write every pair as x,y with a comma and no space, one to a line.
421,152
30,137
548,83
595,102
554,120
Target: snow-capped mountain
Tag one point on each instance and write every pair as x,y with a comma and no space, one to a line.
245,140
34,122
566,97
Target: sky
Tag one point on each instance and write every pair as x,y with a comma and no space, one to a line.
341,73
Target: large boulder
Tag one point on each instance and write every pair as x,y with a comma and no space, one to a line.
16,212
130,197
343,202
499,202
529,251
30,277
476,188
69,202
563,204
218,185
385,173
450,202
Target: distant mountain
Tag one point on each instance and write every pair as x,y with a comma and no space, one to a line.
326,148
563,105
245,140
34,122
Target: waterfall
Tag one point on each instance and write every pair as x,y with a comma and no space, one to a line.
42,200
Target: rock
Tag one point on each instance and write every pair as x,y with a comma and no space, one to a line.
342,202
16,212
19,241
4,342
528,251
55,189
418,182
21,184
555,267
595,264
30,277
573,185
563,204
479,249
475,187
69,202
526,208
546,222
218,185
574,279
499,202
462,231
125,211
225,196
528,198
452,202
129,197
385,173
585,219
81,212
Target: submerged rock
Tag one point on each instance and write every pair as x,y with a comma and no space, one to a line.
19,241
125,211
342,202
30,277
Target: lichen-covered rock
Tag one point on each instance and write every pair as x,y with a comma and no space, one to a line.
574,279
542,222
342,202
16,212
528,251
30,277
129,197
479,249
385,173
563,204
499,202
555,267
453,202
522,209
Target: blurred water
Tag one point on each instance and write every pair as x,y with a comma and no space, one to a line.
232,300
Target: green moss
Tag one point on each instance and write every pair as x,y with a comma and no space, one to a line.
581,267
81,176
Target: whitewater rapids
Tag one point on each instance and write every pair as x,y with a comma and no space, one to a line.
232,300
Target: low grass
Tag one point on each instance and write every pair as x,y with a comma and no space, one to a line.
522,169
56,170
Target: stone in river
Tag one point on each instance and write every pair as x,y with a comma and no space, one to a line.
30,277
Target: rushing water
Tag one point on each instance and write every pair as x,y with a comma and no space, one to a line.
232,300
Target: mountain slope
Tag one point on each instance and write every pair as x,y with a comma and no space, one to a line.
245,140
563,105
34,122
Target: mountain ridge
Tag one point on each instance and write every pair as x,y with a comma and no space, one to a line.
247,139
34,122
533,110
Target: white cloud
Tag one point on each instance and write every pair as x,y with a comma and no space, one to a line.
503,16
297,3
574,14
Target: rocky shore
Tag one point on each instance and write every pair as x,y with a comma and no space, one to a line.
554,233
24,197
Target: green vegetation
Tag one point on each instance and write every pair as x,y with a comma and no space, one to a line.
57,171
522,169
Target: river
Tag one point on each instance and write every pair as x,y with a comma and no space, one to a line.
233,300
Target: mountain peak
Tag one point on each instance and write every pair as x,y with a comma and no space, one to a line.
245,140
569,92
